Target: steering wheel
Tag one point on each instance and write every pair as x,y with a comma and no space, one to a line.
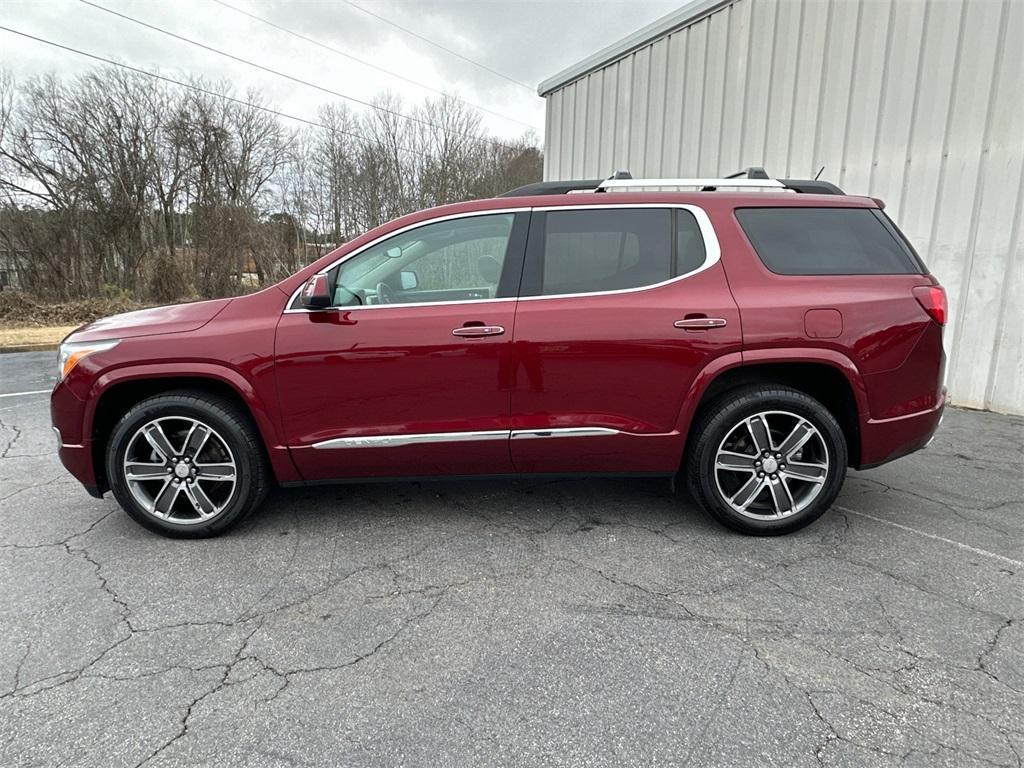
384,293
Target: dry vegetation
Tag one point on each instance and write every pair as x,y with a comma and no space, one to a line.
118,188
27,321
19,309
34,337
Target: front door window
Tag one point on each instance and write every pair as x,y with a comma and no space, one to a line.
455,260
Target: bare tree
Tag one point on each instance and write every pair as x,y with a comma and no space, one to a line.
111,182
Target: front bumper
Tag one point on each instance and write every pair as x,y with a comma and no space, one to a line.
883,440
67,415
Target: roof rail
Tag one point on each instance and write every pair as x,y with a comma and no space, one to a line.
552,188
749,178
706,185
562,187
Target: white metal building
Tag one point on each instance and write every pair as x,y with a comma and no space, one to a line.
918,102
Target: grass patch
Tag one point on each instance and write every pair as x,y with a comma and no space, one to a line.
17,337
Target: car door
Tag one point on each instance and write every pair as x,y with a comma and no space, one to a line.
401,377
621,307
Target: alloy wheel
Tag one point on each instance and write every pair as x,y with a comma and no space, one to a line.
180,470
771,465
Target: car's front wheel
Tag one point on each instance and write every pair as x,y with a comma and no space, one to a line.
186,464
766,460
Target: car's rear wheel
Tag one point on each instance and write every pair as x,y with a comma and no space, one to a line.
766,460
187,464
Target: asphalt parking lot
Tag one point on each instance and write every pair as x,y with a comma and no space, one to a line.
567,623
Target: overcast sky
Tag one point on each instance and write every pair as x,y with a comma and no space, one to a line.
527,41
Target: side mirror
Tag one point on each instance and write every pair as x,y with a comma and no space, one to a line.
316,293
410,280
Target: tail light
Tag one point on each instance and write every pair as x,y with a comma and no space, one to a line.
933,299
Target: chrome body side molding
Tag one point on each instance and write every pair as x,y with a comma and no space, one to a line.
530,434
394,441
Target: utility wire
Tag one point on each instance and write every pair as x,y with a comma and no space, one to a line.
438,45
286,76
347,55
198,88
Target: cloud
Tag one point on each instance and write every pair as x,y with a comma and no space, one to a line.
528,41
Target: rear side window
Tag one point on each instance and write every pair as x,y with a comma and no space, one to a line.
827,241
690,251
590,251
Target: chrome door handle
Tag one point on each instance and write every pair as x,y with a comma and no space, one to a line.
478,330
701,323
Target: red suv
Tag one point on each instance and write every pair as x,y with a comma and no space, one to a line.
757,342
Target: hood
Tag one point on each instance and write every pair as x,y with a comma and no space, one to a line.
176,318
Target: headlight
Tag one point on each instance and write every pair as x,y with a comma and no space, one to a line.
71,352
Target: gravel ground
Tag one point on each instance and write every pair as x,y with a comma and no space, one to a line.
566,623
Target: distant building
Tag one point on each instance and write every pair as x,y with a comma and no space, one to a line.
918,103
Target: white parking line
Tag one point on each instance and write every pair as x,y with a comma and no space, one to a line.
927,535
33,392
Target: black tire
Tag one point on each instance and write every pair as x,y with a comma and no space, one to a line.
232,427
725,419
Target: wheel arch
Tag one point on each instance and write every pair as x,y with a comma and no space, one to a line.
827,376
114,393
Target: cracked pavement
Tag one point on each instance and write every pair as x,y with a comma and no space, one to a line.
564,623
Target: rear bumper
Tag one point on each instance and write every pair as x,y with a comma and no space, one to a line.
67,414
883,440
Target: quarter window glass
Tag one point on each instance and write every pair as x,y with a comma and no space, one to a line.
456,260
690,252
826,241
606,250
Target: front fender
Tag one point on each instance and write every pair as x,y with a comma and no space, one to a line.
280,459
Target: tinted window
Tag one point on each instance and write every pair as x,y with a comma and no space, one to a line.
690,253
605,250
825,241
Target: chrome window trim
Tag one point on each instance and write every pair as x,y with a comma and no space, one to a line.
361,307
395,441
712,249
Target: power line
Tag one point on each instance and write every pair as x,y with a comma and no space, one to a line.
438,45
198,88
347,55
285,75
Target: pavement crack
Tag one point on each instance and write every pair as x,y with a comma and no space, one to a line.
21,665
359,658
10,443
712,716
953,510
52,481
104,584
899,579
189,710
989,649
65,542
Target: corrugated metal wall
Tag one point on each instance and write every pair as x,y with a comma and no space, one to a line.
919,103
